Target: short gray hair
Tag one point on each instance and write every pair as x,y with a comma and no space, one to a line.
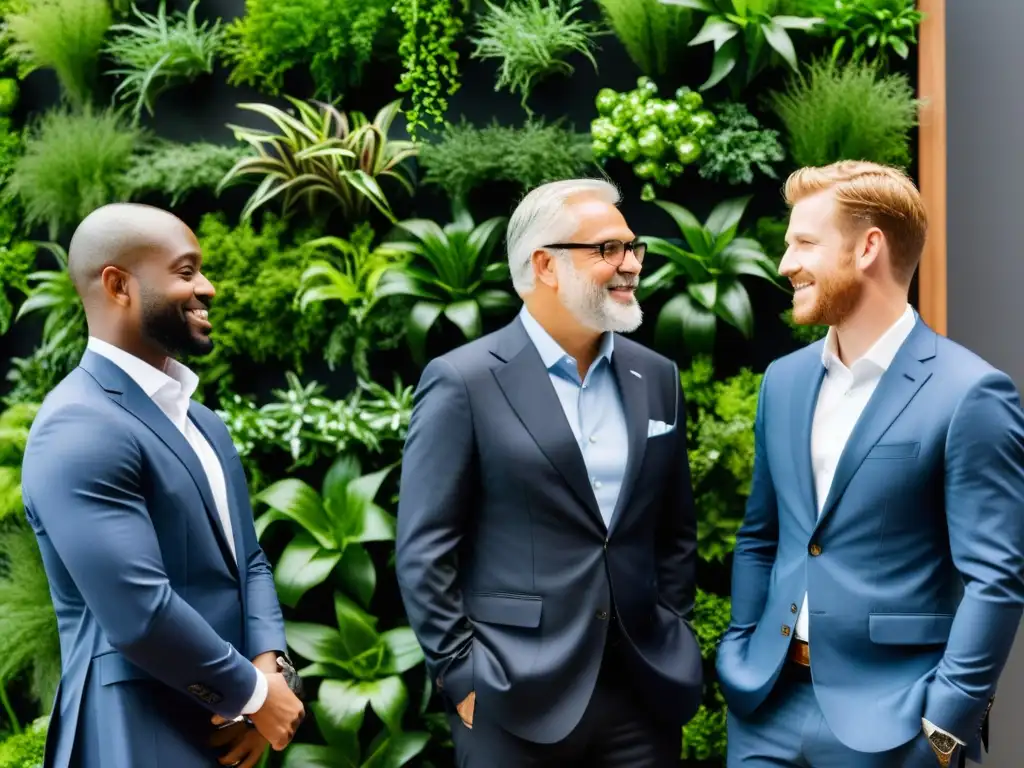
542,217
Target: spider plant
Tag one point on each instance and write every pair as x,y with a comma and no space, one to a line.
159,53
54,294
331,158
711,268
450,274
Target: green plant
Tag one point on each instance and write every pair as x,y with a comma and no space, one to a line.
868,29
16,263
160,53
63,35
745,33
25,749
331,158
737,145
660,137
15,423
847,112
335,41
73,162
467,157
649,30
804,334
705,736
711,267
530,39
10,94
54,295
449,274
34,376
175,171
430,64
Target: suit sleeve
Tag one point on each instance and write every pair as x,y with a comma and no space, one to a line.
758,538
677,535
438,471
985,517
82,480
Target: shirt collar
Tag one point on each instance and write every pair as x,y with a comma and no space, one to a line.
882,352
175,380
551,352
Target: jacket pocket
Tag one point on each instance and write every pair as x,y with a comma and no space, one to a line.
504,608
909,628
895,451
114,668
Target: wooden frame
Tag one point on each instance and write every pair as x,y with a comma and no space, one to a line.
931,77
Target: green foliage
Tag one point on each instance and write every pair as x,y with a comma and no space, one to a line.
847,112
10,93
53,294
531,40
63,35
14,426
73,162
25,749
705,736
660,137
650,32
333,40
256,274
868,29
431,65
710,620
160,53
16,262
34,376
737,145
804,334
467,157
176,170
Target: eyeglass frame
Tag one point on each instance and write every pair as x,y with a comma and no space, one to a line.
632,245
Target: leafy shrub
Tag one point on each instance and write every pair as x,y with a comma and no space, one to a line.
467,157
705,737
25,749
737,145
868,29
650,31
176,170
847,112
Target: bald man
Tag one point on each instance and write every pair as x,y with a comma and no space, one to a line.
172,640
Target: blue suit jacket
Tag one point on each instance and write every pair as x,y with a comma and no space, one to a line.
157,621
504,562
917,591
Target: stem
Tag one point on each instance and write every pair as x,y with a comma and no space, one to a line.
15,725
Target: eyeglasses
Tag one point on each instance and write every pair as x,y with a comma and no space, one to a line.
612,251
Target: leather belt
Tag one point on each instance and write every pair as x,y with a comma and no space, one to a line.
799,653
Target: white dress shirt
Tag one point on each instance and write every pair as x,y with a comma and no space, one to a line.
172,389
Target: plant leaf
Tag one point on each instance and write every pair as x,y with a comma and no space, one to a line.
734,307
466,315
303,565
725,218
298,502
404,651
779,39
688,224
357,574
682,320
421,319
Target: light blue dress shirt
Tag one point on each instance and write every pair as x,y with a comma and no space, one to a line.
593,408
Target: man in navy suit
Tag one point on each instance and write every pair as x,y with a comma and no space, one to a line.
169,622
878,580
546,533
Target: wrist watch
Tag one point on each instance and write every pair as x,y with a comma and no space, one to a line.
291,677
943,745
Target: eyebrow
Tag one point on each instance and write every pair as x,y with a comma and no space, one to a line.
190,257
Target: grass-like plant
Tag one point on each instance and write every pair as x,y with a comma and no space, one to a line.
63,35
73,163
176,170
330,158
531,39
161,52
833,111
650,31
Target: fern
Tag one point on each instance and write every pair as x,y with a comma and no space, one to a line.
650,31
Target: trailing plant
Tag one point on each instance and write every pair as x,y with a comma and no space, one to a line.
868,29
849,111
331,158
73,162
334,41
659,137
430,63
175,171
467,157
650,32
710,264
748,37
451,274
159,53
531,40
738,145
63,35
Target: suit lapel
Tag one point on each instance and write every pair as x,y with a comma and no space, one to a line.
897,387
525,382
633,391
804,395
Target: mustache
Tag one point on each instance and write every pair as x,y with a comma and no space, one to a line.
199,302
624,283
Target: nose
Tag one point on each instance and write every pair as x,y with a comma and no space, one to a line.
788,265
630,264
204,287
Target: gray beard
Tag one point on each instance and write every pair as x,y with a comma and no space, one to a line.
593,306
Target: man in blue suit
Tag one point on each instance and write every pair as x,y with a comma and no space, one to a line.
168,618
878,580
546,532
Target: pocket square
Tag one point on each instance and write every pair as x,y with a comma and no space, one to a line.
656,428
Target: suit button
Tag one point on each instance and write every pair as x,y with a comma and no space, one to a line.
602,614
815,550
785,631
792,608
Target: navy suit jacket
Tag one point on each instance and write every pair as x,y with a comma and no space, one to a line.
915,568
509,576
157,621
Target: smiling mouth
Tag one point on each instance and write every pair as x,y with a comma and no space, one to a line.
622,291
797,287
200,317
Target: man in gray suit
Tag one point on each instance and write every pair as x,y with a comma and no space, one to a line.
546,531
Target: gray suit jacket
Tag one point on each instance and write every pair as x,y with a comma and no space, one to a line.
504,562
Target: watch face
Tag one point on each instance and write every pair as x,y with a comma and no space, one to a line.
942,742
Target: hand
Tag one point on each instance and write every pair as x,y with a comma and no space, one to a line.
466,709
244,745
280,715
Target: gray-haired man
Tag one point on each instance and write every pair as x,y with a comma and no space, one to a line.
546,530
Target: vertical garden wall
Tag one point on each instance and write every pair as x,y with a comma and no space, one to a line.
349,168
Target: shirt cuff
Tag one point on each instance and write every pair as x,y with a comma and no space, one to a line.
259,695
930,728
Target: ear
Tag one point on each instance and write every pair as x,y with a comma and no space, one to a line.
544,267
115,284
870,246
